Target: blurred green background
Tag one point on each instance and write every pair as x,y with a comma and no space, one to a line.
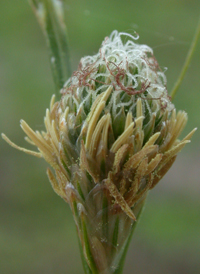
37,233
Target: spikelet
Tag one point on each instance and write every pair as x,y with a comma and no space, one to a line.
110,139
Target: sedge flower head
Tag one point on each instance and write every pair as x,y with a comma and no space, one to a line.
110,139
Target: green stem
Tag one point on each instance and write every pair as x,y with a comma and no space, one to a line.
51,18
122,261
88,253
86,268
187,61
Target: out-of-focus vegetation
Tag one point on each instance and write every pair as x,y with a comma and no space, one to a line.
37,233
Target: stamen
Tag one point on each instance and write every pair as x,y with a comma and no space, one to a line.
31,152
52,102
129,119
105,132
172,152
118,197
41,144
55,184
96,135
136,158
29,141
122,138
95,117
153,164
189,136
152,139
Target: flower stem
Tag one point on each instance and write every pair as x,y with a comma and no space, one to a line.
187,61
122,261
86,268
51,18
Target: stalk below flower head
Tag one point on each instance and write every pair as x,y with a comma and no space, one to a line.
110,139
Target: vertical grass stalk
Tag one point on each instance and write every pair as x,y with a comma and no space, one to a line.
50,15
187,61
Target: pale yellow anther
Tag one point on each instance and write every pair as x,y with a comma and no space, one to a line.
139,112
176,126
136,158
153,164
172,121
52,102
172,152
29,141
129,119
138,123
55,184
152,139
119,157
122,138
139,108
94,106
66,112
181,122
63,122
96,135
189,136
33,153
95,117
41,144
119,199
105,131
